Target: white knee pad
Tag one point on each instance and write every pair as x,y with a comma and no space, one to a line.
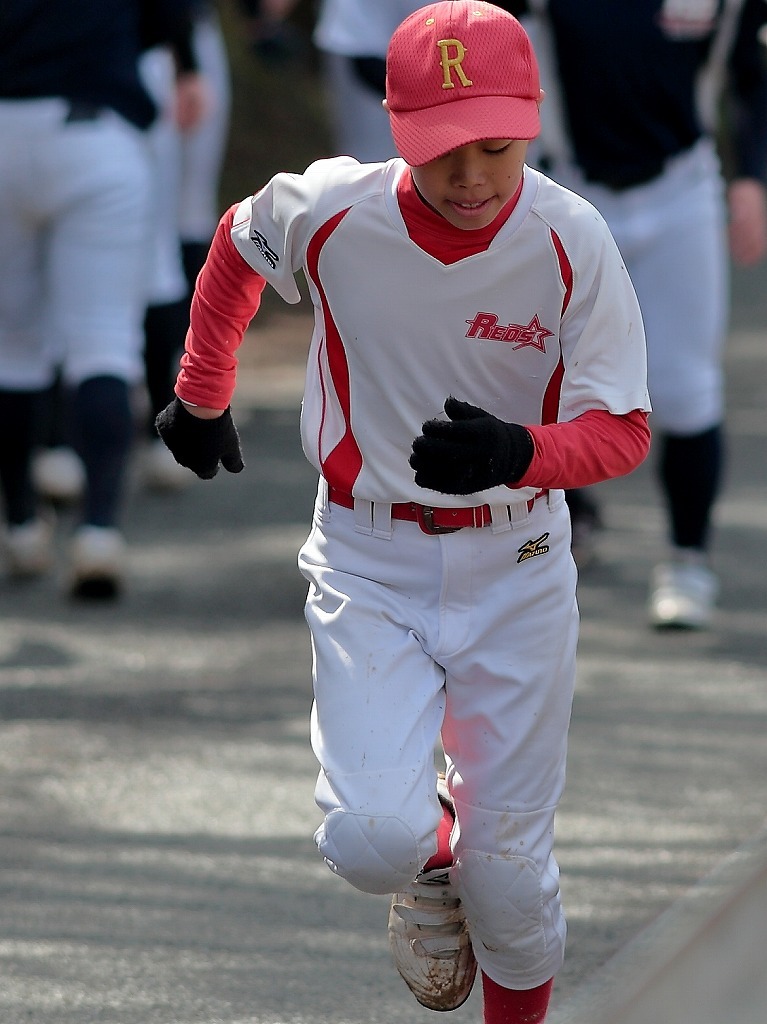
375,854
515,919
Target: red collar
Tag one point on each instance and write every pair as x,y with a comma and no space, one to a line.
438,237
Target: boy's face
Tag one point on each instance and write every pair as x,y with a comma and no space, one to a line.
469,186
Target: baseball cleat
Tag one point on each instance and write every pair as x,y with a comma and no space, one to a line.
162,472
429,938
683,594
29,548
429,941
98,553
58,475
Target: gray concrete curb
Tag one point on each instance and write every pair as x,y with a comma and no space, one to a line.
702,961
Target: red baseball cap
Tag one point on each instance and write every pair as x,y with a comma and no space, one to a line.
457,72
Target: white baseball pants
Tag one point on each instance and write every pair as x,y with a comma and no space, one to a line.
74,234
469,637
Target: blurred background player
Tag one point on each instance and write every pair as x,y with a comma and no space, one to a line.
187,156
188,161
203,148
75,212
634,103
352,37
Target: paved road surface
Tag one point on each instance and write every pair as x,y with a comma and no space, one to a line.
157,864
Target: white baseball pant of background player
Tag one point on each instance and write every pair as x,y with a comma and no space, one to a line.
203,148
73,245
166,278
187,163
673,228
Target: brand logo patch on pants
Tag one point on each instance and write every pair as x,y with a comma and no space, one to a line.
531,548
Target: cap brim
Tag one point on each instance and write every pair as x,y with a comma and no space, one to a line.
425,135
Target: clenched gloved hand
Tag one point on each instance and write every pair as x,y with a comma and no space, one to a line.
198,444
471,451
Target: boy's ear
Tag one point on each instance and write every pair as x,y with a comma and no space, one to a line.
541,97
385,105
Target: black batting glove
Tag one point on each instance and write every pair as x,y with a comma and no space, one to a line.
198,444
471,451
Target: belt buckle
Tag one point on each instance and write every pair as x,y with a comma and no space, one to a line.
425,517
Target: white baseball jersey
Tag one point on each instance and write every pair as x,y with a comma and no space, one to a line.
540,328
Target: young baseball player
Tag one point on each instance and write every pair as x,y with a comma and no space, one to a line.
477,348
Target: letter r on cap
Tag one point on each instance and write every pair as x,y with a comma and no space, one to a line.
448,62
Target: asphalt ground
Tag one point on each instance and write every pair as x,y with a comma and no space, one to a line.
156,811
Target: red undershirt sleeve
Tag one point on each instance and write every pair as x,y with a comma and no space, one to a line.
226,298
594,447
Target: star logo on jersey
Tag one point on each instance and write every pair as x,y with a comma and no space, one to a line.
531,548
532,335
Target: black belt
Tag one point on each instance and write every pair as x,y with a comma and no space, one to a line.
620,180
82,110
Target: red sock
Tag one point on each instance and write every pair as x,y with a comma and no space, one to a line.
510,1006
443,858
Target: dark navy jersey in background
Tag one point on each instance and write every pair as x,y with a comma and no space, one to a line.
87,51
629,74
